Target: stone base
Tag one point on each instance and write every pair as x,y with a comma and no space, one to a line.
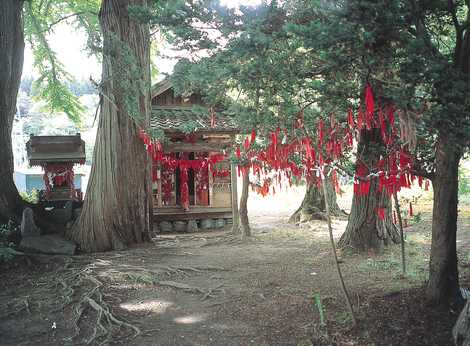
48,244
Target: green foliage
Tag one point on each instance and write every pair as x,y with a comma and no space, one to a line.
7,253
189,127
39,124
32,197
128,80
269,63
318,303
52,84
464,182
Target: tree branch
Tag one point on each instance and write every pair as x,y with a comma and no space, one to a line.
50,26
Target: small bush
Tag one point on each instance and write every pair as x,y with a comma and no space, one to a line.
6,247
32,197
464,182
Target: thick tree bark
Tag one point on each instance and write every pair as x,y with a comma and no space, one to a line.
243,209
11,66
313,204
117,209
443,284
365,230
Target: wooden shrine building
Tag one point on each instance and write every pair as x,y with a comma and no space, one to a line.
57,155
195,181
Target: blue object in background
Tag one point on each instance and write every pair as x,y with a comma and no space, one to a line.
26,182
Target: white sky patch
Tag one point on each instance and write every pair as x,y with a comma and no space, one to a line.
237,3
69,45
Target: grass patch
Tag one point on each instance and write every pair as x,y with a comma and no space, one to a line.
416,260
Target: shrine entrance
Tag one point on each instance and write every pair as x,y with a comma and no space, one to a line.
192,175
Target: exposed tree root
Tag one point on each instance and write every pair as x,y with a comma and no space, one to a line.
206,292
180,270
77,291
19,305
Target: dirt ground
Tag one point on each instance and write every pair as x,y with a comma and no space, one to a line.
278,288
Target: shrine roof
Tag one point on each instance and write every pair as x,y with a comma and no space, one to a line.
50,149
175,118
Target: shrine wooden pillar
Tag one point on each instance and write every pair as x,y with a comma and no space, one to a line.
233,183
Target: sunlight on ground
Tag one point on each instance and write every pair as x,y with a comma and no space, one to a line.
156,306
190,319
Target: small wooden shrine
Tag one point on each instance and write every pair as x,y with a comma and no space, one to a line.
193,177
57,155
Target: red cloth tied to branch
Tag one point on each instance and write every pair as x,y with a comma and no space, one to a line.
361,186
360,119
238,153
320,132
253,136
246,144
370,104
383,127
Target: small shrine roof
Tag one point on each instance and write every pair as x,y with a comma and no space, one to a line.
175,118
50,149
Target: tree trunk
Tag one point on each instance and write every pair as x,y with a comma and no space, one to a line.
313,204
365,231
117,209
11,66
243,209
443,284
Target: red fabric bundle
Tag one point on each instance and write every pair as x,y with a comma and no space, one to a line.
360,119
253,136
350,119
246,144
370,105
320,132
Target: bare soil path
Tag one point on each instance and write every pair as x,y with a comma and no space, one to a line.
212,289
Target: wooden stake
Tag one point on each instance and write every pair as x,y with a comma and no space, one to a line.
400,223
333,249
235,214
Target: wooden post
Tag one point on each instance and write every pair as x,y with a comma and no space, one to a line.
233,183
211,185
402,238
333,249
159,185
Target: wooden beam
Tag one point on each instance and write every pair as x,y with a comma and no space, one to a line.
194,216
194,147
